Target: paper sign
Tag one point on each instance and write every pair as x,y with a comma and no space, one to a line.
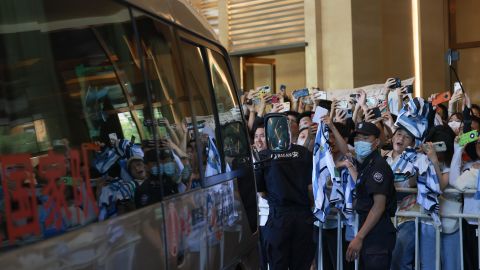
319,113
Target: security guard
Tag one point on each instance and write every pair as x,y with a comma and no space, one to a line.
375,203
285,181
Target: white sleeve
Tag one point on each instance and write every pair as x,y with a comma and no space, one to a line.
456,165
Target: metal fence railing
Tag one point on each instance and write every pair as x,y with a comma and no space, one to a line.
418,216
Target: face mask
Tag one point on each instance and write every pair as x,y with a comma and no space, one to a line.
363,149
169,168
454,125
157,170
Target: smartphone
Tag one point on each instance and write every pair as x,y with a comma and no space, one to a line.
371,102
409,89
322,95
440,146
397,84
441,98
457,87
376,112
349,113
275,99
300,93
265,89
342,104
468,137
113,137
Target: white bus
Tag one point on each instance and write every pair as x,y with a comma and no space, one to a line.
122,143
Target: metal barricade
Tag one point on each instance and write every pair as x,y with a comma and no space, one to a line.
411,214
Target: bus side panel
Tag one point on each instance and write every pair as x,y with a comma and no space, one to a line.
209,229
131,241
230,239
185,224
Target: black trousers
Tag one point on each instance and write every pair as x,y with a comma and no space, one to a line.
289,239
376,252
470,246
262,248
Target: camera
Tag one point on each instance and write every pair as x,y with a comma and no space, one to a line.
397,84
300,93
409,89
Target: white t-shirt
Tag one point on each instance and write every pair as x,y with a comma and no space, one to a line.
400,181
263,210
470,205
409,202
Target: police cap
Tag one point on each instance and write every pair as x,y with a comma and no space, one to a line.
367,128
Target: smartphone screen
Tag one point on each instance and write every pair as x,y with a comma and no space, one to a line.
376,112
113,137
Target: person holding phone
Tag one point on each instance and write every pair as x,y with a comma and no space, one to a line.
450,236
463,174
338,137
405,176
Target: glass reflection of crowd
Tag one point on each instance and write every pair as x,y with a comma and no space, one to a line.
136,175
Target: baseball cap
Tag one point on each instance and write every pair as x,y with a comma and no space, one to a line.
132,159
367,128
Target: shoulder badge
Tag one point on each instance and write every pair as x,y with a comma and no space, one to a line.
378,177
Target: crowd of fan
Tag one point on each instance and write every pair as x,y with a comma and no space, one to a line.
407,124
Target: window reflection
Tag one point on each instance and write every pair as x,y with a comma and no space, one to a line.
235,145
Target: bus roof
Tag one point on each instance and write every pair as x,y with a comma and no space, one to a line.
54,15
179,12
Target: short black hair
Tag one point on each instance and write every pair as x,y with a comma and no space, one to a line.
258,123
401,127
458,115
257,126
475,106
471,150
444,110
342,129
294,113
304,114
151,155
443,134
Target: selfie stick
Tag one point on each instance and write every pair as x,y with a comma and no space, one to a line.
450,60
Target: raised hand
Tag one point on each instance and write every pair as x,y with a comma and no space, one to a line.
277,107
362,99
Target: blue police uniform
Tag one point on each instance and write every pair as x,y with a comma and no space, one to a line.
289,228
376,177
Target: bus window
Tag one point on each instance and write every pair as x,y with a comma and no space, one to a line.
177,165
72,119
235,144
197,81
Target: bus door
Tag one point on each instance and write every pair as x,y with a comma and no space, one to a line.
223,147
176,164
